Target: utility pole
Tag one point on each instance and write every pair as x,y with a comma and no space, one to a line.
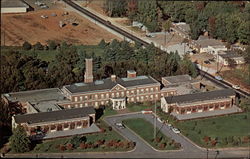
217,63
155,122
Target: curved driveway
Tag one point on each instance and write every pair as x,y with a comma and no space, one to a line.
143,150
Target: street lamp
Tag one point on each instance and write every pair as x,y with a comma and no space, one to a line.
207,153
217,153
155,122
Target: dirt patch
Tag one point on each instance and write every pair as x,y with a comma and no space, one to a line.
238,77
31,27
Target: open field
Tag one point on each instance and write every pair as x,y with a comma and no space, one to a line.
31,27
146,131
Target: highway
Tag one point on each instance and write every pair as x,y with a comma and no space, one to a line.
144,43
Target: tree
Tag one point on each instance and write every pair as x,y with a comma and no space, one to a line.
102,44
38,46
19,141
115,8
166,26
52,45
244,32
27,45
231,63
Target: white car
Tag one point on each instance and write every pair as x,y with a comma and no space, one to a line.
218,78
175,130
236,87
119,125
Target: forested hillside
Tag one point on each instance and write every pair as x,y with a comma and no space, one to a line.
229,21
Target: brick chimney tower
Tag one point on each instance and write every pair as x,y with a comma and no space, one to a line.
88,76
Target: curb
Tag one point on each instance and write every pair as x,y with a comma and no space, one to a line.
116,130
151,145
121,114
68,153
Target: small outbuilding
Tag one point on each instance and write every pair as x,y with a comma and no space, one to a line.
13,6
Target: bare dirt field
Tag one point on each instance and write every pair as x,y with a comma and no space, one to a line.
17,28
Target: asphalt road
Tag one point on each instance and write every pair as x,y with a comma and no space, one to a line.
143,150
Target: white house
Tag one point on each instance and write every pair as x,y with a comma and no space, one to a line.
208,45
223,57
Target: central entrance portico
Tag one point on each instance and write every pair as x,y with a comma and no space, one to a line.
118,103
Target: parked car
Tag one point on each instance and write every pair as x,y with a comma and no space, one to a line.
206,62
218,78
175,130
236,87
120,125
212,60
170,125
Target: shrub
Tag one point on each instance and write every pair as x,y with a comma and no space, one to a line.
213,142
69,146
38,46
177,145
158,139
246,139
27,45
62,148
110,128
52,45
131,144
213,122
230,139
206,139
224,141
103,130
76,140
83,146
162,145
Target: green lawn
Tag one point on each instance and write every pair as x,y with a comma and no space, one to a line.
146,130
109,111
228,131
137,107
44,55
50,55
107,136
91,48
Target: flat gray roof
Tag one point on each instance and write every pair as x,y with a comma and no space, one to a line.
42,99
202,96
13,4
109,84
36,95
178,79
54,115
209,42
229,54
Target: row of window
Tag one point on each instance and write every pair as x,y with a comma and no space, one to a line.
130,99
117,94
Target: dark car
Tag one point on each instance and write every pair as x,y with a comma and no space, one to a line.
206,62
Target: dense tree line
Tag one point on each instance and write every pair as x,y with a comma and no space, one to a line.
225,20
21,72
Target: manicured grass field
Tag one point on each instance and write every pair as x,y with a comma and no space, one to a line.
52,145
228,130
109,111
146,131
